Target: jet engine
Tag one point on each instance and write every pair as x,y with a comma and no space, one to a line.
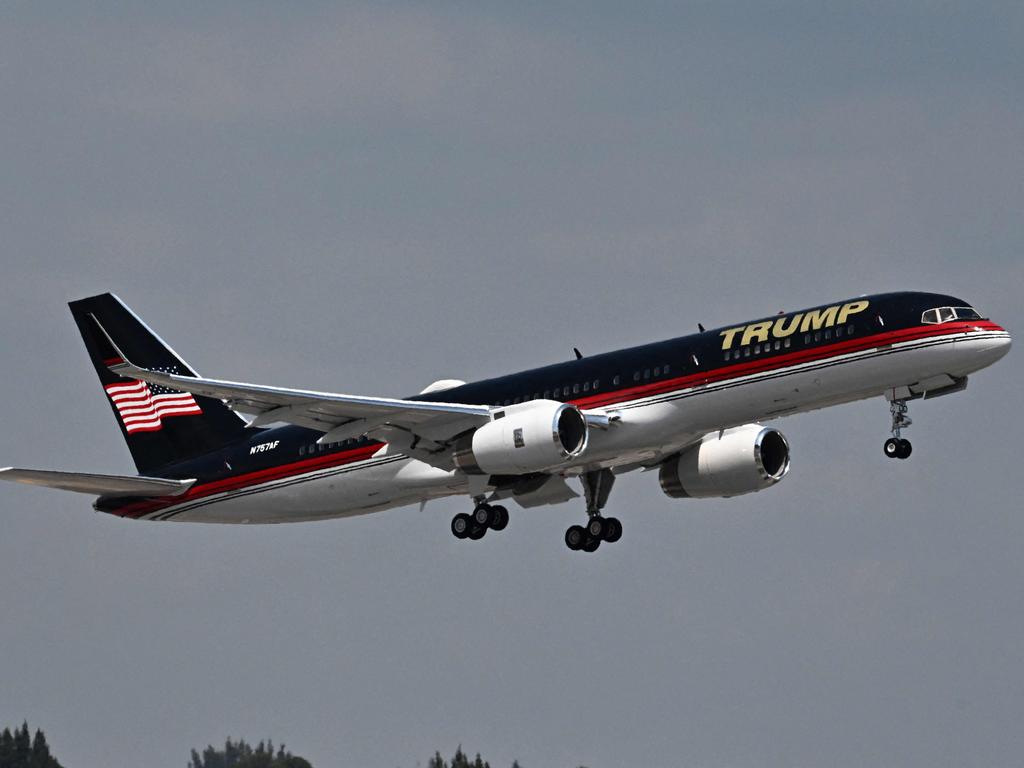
727,463
535,436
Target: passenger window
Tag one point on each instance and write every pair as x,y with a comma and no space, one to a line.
807,338
586,386
547,394
616,381
849,330
746,351
839,331
565,391
647,373
576,388
757,349
597,383
786,343
778,344
636,376
657,371
828,335
665,370
728,354
302,450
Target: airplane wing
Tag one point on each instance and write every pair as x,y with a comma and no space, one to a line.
98,485
338,416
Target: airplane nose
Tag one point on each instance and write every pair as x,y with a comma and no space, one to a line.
994,345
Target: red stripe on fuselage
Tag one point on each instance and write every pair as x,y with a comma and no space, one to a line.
772,360
720,373
137,509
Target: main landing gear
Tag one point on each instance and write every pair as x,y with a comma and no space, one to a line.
897,447
596,487
485,517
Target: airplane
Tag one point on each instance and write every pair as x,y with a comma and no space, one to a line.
690,408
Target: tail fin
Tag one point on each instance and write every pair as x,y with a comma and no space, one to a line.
161,426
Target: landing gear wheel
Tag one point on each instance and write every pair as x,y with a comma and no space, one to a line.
591,545
904,449
575,536
612,529
892,447
499,518
596,527
482,515
461,525
477,532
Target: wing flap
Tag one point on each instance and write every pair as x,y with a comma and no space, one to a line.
97,485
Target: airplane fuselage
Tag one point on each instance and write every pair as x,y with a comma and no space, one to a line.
660,398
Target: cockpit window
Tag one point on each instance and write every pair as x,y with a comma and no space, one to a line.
946,314
967,313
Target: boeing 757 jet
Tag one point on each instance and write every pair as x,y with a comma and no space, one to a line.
691,408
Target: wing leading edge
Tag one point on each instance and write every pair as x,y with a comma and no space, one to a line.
338,416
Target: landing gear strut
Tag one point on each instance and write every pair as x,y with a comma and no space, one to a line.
484,517
596,487
897,447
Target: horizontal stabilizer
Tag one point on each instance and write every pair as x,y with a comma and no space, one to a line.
98,485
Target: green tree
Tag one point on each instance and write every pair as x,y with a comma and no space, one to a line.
459,760
240,754
21,750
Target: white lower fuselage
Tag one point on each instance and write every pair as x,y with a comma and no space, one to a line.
651,428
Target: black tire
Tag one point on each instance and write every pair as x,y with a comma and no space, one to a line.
591,545
461,525
477,532
612,530
482,515
574,537
892,447
905,449
596,527
499,518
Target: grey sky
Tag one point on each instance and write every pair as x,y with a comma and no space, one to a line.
369,198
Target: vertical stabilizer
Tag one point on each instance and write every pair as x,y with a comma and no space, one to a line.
160,425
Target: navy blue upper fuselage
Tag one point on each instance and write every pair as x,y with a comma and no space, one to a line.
610,371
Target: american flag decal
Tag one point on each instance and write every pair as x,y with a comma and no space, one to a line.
143,406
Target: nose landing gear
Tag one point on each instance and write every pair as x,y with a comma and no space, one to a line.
897,447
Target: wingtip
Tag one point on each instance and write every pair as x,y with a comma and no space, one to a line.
118,362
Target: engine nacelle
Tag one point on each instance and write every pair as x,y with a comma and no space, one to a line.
728,463
535,436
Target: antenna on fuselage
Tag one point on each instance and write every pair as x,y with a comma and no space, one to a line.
579,355
700,327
